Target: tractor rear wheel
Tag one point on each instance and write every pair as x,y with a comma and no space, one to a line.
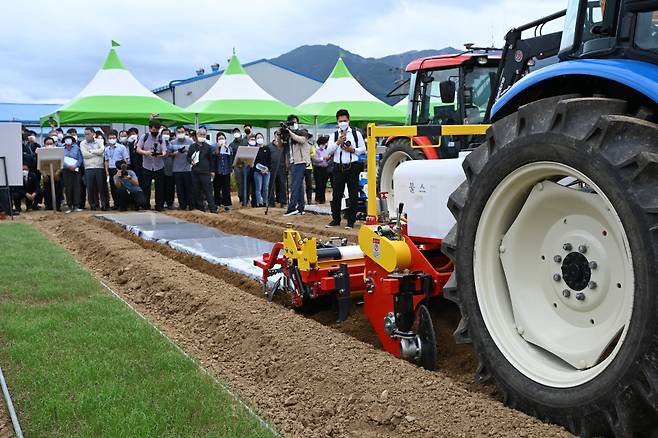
555,252
397,152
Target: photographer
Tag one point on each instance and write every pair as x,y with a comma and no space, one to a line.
152,149
300,155
182,169
128,189
344,148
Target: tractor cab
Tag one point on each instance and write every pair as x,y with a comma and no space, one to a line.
450,90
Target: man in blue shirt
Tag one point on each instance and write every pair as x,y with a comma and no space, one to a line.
114,151
71,175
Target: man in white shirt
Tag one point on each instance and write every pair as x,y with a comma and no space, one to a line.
93,153
345,146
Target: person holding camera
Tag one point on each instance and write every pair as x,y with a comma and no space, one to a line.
296,141
114,152
128,189
153,149
344,149
182,170
201,157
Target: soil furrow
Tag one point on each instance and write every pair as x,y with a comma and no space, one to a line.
306,378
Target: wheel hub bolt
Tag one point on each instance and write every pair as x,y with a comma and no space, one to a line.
557,277
557,259
567,247
580,296
592,285
593,265
566,293
582,249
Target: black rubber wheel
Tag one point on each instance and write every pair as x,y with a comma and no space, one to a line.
398,149
424,328
608,141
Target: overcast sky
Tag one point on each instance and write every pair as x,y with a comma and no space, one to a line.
50,49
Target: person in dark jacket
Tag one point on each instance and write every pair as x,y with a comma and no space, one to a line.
262,165
223,169
279,174
29,191
201,157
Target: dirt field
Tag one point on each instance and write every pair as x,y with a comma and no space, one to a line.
303,374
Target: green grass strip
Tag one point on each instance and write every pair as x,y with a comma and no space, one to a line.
80,363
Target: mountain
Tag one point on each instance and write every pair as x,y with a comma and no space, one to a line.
377,75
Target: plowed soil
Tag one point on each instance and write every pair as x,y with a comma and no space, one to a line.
307,378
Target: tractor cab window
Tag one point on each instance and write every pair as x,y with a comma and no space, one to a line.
477,90
428,107
646,31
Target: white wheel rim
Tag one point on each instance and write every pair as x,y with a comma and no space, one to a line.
386,177
553,337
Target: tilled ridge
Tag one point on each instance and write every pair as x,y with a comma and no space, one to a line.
307,379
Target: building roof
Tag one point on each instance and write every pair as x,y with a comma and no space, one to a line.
26,113
432,62
219,72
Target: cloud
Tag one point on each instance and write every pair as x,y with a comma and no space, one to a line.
51,50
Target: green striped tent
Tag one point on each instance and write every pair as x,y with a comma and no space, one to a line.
237,98
115,96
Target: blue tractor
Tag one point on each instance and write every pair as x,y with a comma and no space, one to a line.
556,241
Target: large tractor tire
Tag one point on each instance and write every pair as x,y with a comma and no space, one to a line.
555,252
396,153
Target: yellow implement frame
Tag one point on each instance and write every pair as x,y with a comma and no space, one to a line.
375,132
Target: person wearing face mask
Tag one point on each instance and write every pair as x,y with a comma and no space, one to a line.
29,151
279,171
123,138
92,149
114,152
321,168
29,191
71,176
222,181
262,165
135,158
300,156
169,181
345,146
238,140
59,195
59,134
201,157
181,168
153,152
248,177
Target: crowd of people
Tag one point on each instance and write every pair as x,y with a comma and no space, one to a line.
116,169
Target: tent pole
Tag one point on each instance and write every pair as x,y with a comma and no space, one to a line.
315,133
196,121
58,120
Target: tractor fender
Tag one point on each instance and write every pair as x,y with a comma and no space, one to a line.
635,75
429,151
